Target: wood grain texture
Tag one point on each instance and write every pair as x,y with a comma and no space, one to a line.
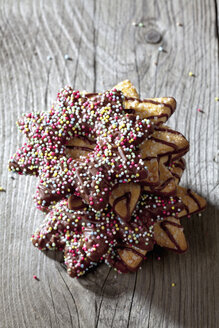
105,48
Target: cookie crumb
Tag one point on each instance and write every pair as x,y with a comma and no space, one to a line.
49,58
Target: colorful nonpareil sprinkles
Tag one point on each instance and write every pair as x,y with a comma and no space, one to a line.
100,118
87,237
114,194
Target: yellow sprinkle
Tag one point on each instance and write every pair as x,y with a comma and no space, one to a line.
191,74
173,284
216,98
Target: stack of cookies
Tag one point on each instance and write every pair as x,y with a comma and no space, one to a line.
109,171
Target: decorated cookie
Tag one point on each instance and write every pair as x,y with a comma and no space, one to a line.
109,171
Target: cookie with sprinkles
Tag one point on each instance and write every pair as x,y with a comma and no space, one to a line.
88,238
108,171
100,117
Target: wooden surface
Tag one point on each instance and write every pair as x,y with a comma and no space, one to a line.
106,48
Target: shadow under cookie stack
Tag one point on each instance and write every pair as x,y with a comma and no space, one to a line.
109,172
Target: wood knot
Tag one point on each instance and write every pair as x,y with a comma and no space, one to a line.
153,37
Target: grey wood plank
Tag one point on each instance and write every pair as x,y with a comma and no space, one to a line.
105,48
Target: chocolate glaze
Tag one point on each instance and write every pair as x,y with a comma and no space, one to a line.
100,117
88,238
180,164
170,235
175,150
189,192
150,101
127,197
80,148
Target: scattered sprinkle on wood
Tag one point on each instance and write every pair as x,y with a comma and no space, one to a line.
67,57
140,24
200,110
